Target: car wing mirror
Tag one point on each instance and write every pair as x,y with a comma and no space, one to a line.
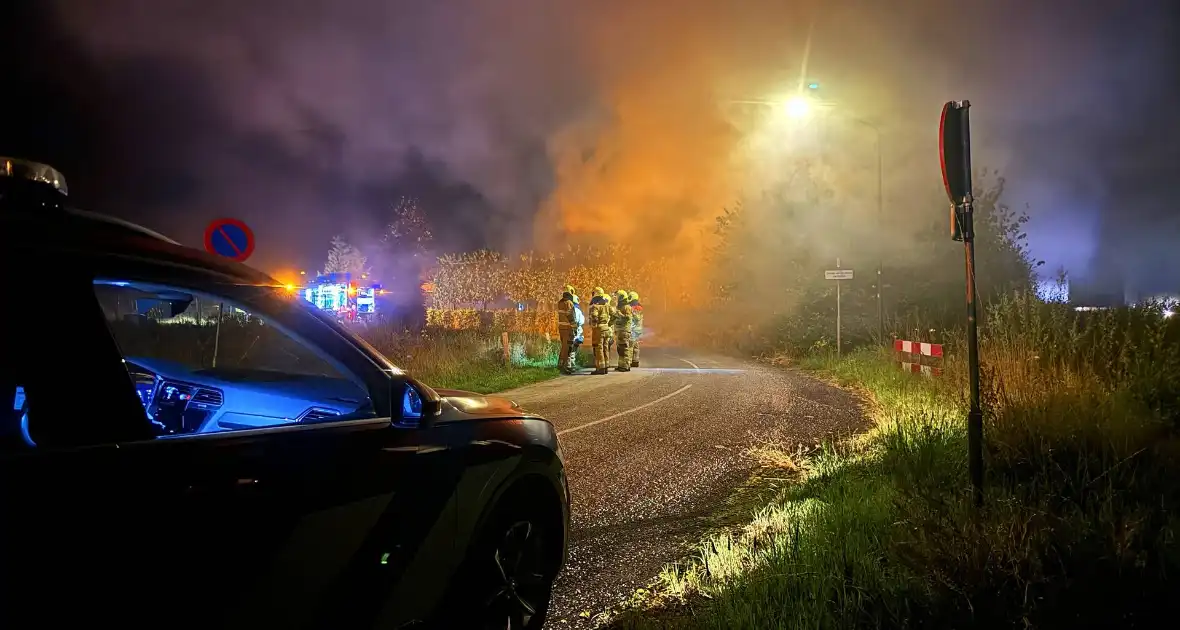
420,404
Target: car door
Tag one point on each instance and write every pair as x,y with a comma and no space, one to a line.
289,527
292,526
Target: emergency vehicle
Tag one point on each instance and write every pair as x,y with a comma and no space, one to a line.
338,293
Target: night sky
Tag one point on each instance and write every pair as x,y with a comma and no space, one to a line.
307,119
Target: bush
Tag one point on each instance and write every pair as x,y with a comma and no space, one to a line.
493,321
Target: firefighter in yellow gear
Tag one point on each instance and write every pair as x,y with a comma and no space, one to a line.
622,326
566,323
610,329
636,327
600,323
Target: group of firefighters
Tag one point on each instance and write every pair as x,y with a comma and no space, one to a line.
613,319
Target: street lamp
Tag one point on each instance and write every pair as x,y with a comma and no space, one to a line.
798,107
801,106
880,218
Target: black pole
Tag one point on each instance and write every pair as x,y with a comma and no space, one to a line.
880,221
974,413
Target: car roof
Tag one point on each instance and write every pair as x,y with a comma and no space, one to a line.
90,234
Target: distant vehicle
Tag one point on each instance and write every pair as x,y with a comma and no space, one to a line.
339,293
184,443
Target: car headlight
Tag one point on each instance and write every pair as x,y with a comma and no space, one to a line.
411,403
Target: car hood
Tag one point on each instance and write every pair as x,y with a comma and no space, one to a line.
478,405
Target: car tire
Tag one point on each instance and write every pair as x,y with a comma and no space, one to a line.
507,579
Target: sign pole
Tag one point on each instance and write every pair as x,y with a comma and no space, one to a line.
974,413
838,274
839,346
955,155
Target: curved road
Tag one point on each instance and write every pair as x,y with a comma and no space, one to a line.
649,452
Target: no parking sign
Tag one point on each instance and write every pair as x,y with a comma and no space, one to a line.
230,238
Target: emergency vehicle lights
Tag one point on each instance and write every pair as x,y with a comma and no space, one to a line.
337,293
35,171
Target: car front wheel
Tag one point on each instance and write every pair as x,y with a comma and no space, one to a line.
517,588
508,577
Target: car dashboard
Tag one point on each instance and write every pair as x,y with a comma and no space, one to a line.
182,401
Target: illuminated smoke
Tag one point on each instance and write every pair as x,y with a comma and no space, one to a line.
611,120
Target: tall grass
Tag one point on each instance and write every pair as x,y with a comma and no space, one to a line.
467,359
1082,509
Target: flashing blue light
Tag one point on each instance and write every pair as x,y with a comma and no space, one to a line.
813,86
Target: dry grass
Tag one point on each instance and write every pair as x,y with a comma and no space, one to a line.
1081,516
468,360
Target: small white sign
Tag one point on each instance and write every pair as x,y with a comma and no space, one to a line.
838,274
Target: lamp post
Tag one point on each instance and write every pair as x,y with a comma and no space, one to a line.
880,223
801,106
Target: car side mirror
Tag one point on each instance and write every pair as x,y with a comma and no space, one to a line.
420,404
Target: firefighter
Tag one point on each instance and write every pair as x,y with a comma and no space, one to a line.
600,322
577,339
622,326
636,327
565,327
610,330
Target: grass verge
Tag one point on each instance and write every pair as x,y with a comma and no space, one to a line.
468,360
1079,527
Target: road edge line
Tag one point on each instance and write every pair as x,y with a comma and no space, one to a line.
623,413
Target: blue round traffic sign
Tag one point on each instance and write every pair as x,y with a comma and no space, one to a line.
230,238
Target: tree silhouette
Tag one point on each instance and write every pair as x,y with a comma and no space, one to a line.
343,257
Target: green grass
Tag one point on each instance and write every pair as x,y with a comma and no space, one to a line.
1079,527
488,379
467,360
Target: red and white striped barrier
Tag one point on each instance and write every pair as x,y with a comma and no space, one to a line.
919,349
915,347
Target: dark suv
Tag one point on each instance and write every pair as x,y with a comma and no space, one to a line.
184,443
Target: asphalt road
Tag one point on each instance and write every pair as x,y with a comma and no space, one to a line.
650,452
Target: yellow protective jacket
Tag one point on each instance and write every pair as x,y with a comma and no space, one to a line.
622,318
600,315
565,313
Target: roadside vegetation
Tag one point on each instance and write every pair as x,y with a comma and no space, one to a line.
470,360
1082,507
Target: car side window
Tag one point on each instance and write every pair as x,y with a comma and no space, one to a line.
62,383
201,363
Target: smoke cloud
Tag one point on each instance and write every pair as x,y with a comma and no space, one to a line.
550,121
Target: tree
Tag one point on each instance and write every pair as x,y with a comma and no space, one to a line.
404,257
770,250
930,286
344,258
407,230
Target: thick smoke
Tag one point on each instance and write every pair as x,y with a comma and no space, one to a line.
565,120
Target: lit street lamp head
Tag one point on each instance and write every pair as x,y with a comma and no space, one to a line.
798,107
